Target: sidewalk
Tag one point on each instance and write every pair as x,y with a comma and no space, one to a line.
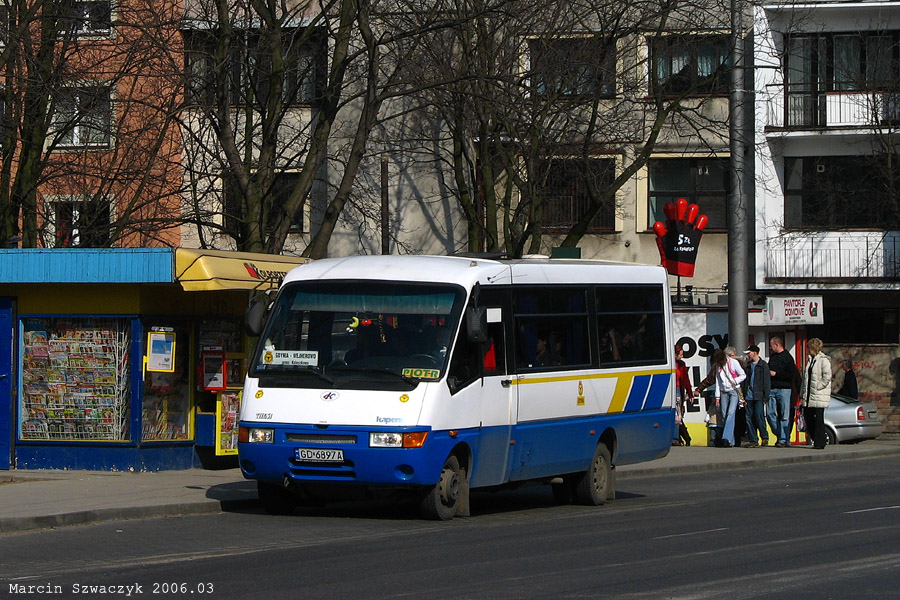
42,499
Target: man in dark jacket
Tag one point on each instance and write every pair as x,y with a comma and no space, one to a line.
781,370
850,387
756,392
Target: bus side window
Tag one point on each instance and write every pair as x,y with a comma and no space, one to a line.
631,324
494,355
465,363
470,360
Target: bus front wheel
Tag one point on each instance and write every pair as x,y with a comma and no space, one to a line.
442,501
592,487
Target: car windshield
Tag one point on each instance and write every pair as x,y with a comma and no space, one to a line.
334,332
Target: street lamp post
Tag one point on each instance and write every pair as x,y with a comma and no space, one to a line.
737,213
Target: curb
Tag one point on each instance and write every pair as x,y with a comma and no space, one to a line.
84,517
753,463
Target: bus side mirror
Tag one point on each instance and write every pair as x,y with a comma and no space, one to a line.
477,325
255,316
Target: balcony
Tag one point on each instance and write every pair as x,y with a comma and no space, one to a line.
834,257
820,110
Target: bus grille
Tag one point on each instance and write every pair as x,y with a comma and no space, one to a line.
312,438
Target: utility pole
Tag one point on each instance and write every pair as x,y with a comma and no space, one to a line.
737,205
385,209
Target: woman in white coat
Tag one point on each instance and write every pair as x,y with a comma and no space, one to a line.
815,392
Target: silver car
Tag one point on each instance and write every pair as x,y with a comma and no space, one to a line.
849,420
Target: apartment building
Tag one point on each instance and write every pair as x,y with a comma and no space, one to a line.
826,141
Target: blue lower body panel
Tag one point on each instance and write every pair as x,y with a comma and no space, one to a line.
499,454
549,448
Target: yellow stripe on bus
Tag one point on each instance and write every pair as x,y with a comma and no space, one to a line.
623,383
529,380
617,404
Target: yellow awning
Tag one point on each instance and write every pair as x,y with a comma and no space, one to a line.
206,270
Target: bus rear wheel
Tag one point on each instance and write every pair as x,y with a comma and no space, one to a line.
442,500
592,487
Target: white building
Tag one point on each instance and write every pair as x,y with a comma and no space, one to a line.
827,76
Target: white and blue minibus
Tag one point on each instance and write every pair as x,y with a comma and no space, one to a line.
440,374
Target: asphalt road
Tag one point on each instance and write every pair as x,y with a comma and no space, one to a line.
819,530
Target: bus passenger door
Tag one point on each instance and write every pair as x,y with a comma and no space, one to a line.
498,405
482,392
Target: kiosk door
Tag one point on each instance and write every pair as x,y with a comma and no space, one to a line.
7,410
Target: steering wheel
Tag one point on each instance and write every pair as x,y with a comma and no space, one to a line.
427,357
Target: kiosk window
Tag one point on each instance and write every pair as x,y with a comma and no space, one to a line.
75,376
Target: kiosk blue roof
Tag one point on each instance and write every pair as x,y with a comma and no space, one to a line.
87,265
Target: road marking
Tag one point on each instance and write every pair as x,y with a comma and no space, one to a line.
853,512
665,537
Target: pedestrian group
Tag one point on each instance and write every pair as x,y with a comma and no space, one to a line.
770,393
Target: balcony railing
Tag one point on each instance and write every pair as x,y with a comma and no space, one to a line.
834,258
830,109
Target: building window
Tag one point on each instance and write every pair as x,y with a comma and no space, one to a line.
81,223
841,192
837,62
863,61
566,199
83,116
249,71
701,181
572,67
90,17
274,199
690,64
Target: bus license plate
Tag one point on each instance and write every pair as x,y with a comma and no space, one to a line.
318,455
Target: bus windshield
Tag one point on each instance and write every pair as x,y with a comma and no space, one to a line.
328,332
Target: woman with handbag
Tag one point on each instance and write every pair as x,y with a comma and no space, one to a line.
727,374
815,392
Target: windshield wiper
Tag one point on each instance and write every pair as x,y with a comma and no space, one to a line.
405,378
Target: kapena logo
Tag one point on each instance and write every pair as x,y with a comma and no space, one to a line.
330,396
388,420
257,273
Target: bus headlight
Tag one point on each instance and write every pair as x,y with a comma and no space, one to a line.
385,439
256,435
395,439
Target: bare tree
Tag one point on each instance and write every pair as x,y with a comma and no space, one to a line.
547,95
